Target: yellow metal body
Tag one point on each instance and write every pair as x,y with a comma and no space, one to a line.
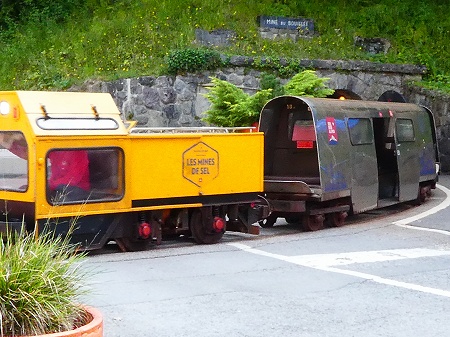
194,164
156,170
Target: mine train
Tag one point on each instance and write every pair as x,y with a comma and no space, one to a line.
70,164
327,158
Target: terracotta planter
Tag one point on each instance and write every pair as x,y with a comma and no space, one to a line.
93,329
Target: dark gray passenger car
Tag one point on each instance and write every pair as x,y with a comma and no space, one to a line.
327,157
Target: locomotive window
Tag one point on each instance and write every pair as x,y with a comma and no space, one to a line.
13,161
84,175
360,130
304,134
404,129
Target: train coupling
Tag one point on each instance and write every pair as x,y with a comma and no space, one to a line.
244,218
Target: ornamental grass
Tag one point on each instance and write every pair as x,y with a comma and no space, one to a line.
41,281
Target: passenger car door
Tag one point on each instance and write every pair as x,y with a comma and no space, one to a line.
407,159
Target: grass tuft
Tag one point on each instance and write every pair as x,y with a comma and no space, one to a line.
40,284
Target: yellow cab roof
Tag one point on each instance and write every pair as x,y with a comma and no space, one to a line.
63,113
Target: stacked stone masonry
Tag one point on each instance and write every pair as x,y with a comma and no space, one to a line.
171,101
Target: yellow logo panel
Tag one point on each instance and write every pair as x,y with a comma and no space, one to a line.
200,164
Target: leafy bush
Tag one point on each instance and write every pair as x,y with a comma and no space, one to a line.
270,81
307,83
283,67
231,106
40,283
192,60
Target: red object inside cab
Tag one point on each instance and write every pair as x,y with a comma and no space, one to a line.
304,134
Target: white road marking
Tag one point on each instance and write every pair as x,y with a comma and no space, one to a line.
326,262
387,254
342,259
444,204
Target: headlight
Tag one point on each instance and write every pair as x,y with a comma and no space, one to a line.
4,108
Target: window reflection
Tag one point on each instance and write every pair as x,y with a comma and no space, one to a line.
84,175
405,130
13,161
360,130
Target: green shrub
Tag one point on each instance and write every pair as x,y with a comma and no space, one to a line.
270,81
40,283
307,83
193,60
231,106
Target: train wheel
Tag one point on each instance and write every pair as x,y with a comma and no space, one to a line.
268,222
133,245
423,193
206,234
337,219
313,222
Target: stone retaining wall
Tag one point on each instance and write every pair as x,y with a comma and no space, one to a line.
440,105
178,100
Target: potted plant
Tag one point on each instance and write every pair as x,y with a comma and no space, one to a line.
41,282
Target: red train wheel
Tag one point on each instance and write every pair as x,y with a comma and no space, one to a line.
313,222
337,219
206,233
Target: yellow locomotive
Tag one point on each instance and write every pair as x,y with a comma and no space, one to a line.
67,160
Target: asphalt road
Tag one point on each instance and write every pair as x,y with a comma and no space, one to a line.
383,274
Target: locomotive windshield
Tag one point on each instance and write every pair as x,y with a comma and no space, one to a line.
13,161
84,175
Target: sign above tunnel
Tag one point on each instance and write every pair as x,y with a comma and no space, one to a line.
302,25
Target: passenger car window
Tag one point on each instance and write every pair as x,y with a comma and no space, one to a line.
84,175
360,130
404,129
13,161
